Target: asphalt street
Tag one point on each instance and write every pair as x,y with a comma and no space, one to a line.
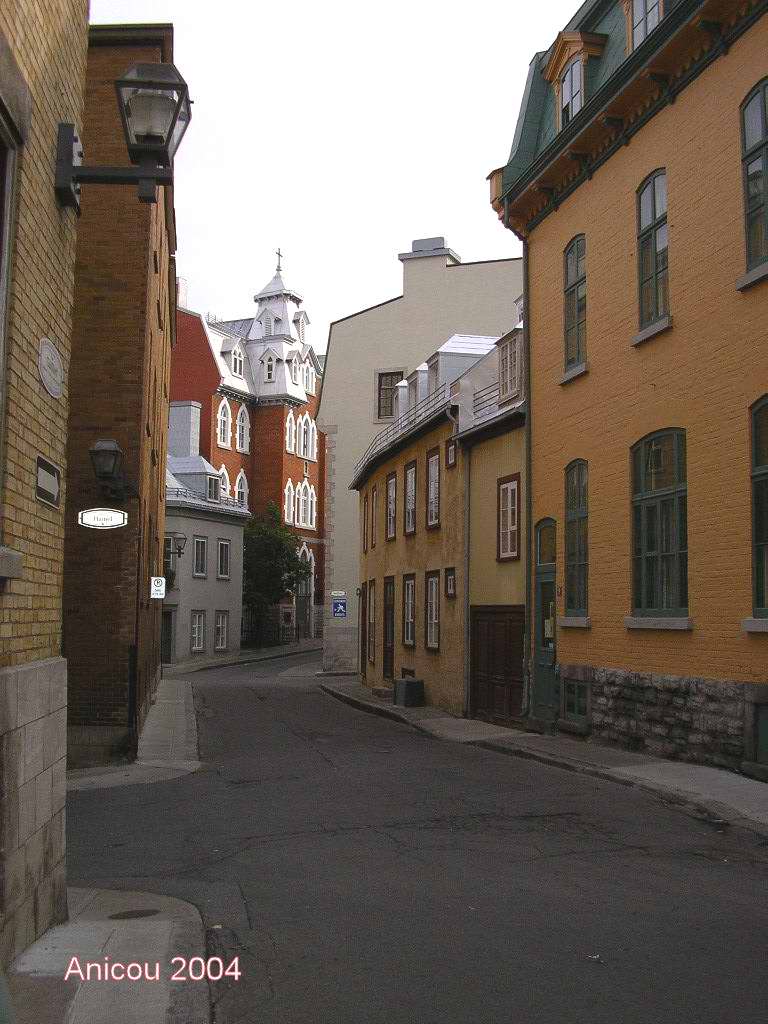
365,873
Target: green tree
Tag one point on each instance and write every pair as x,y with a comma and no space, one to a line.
271,564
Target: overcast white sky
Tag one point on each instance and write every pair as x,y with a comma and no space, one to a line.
340,131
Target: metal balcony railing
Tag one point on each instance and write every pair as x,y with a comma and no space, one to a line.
486,402
186,493
404,424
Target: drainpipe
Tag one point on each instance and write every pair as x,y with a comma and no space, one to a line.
529,539
467,623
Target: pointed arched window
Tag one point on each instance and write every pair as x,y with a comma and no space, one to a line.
225,484
305,504
312,440
224,421
288,504
290,432
243,430
237,362
312,508
241,489
304,437
269,370
297,505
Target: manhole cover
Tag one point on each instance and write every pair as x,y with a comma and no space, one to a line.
129,915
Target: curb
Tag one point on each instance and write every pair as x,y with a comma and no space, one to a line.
183,671
713,811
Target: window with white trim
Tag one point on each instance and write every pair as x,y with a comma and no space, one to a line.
224,425
290,432
222,569
198,631
312,507
433,488
237,361
288,504
409,610
226,486
214,488
409,523
222,631
391,505
241,489
509,375
508,517
432,610
200,564
295,370
269,370
243,430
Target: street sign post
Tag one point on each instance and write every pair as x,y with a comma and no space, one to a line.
157,587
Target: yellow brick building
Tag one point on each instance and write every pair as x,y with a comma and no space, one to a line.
638,180
37,259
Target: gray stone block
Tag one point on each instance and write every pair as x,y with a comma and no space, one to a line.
11,747
9,820
34,861
33,749
43,905
9,700
13,880
43,797
27,814
59,785
34,692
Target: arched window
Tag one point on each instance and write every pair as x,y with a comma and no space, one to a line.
305,504
243,430
288,505
225,484
304,436
290,432
295,370
760,505
312,440
237,362
575,281
269,370
660,525
576,538
311,381
652,245
297,505
312,507
241,489
754,140
571,92
224,421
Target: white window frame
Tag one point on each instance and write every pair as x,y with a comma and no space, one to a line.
312,508
224,425
509,370
197,631
221,631
304,520
289,497
508,526
409,612
269,370
290,432
241,479
200,543
213,488
243,430
222,546
391,506
432,599
410,498
226,486
237,361
295,370
433,489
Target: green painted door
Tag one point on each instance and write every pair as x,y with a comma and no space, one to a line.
546,690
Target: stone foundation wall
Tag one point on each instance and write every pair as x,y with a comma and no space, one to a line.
706,721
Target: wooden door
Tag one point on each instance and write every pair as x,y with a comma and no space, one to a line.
363,631
388,667
496,684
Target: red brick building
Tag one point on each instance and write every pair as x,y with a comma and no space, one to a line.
257,381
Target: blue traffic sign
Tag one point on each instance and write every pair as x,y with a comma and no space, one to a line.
340,608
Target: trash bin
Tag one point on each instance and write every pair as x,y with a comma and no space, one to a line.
409,693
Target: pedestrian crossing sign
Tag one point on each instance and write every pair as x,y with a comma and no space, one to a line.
340,608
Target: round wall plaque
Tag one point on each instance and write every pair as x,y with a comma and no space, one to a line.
51,368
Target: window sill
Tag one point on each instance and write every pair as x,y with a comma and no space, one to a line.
227,446
575,371
11,564
225,578
753,276
754,625
200,575
574,622
661,622
658,327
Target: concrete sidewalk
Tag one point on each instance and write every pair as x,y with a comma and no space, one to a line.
245,657
115,929
724,796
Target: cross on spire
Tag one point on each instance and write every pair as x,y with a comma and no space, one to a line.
279,257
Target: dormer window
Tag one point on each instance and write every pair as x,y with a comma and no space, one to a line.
311,380
214,488
237,362
295,370
645,18
269,370
571,92
509,378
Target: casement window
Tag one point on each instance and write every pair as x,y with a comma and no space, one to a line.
433,488
243,430
295,370
652,245
237,362
225,484
575,280
241,489
509,370
391,506
432,610
312,454
312,508
200,566
223,560
385,393
660,525
365,523
224,425
214,488
221,631
754,126
290,432
450,582
576,550
310,379
508,518
269,370
374,508
760,505
302,427
409,610
571,91
198,631
169,556
645,18
288,502
409,500
450,454
372,621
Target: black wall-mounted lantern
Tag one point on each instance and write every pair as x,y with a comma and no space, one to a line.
155,110
107,461
179,543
